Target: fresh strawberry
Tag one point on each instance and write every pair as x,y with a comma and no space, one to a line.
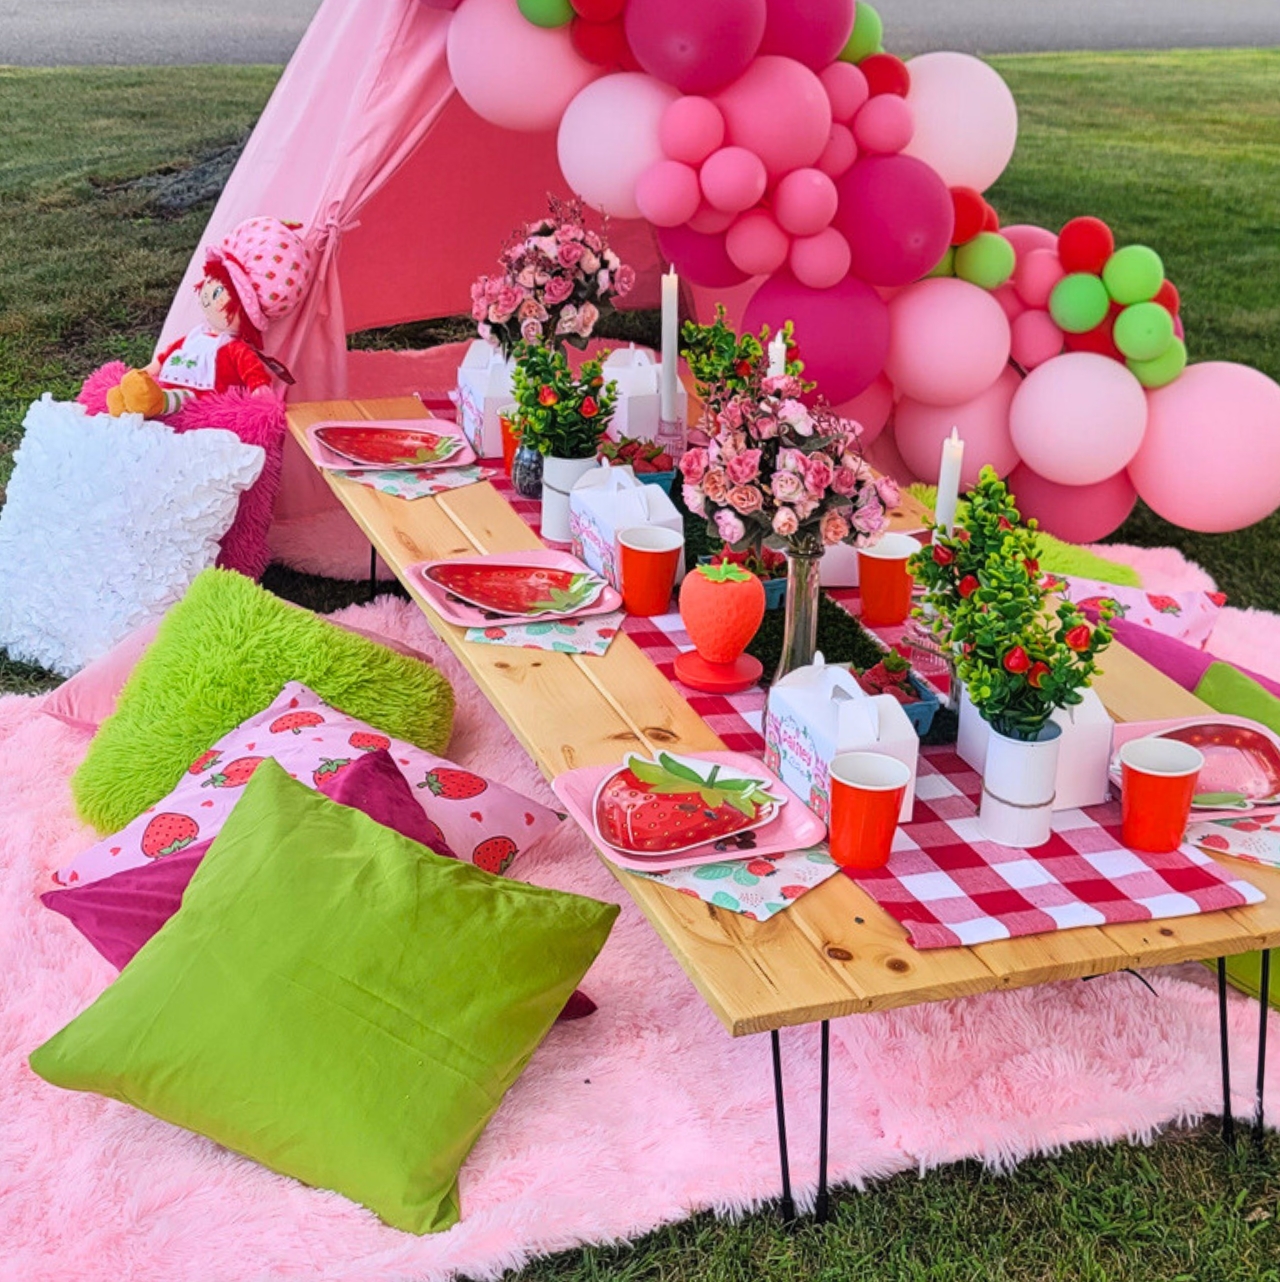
367,742
327,769
296,722
495,855
205,761
168,833
235,774
454,785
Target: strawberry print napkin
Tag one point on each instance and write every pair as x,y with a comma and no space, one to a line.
421,483
592,635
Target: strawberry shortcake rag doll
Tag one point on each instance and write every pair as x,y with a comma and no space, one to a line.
255,275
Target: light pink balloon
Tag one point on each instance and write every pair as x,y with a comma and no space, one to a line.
1076,513
692,128
846,88
840,152
883,126
1035,276
983,425
820,261
668,193
1211,457
756,244
805,201
778,109
870,409
1036,339
949,341
711,221
1079,418
733,178
609,137
510,72
1024,237
1009,301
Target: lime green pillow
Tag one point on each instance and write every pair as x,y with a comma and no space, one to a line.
221,655
1227,689
335,1002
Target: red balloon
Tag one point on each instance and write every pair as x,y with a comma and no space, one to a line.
703,259
1099,338
886,74
970,211
603,43
842,332
990,219
810,31
1084,245
598,10
697,47
1168,298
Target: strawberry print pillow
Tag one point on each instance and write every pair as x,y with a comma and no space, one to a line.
473,818
1187,616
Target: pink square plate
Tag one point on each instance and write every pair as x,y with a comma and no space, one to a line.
388,444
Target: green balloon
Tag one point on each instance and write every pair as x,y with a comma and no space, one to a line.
1143,331
1164,369
1133,274
1079,303
946,265
864,39
987,260
547,13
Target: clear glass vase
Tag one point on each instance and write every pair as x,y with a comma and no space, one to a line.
800,630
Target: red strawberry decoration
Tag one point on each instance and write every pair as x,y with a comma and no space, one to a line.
1094,604
205,761
367,742
517,589
761,868
1017,660
296,722
1214,842
495,855
235,774
329,769
454,785
168,833
1163,604
890,676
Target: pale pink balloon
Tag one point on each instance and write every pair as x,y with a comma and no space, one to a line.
840,152
805,201
699,257
870,409
949,341
710,221
983,425
1075,513
1008,299
1036,339
820,261
883,455
509,71
846,88
756,244
1079,418
691,129
1024,237
668,193
778,109
1037,272
1211,457
733,178
883,126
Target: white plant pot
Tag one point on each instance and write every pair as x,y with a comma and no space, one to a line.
1018,787
558,477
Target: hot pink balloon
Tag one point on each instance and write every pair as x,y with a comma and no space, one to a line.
691,129
733,178
846,88
1076,513
701,258
820,261
698,47
840,152
811,31
1010,303
842,332
1211,458
1079,418
950,341
778,109
668,193
983,425
510,72
883,125
1024,237
711,221
756,244
1035,339
805,201
897,216
870,409
1037,272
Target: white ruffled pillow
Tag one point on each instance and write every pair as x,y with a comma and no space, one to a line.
106,523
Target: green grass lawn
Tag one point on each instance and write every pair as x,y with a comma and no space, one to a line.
1180,151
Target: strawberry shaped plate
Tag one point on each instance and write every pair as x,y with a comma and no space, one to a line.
389,445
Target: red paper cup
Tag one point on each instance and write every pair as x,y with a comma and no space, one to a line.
648,558
1157,781
884,581
866,796
510,442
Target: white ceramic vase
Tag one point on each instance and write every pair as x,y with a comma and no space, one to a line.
1018,783
558,477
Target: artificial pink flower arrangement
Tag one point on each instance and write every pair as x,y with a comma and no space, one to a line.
556,274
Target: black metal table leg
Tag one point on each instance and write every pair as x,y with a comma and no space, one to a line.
822,1208
1228,1122
373,572
1264,1004
788,1203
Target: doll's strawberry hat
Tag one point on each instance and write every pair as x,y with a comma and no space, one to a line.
270,265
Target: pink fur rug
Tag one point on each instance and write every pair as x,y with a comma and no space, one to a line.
639,1115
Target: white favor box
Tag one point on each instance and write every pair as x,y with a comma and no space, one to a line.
484,389
636,413
817,712
607,500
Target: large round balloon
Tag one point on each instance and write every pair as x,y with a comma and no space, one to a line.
982,423
692,128
811,31
1076,513
1036,339
1024,237
1211,457
510,72
1079,418
668,194
897,216
701,258
756,244
870,409
780,110
820,261
696,47
949,341
842,332
966,118
609,136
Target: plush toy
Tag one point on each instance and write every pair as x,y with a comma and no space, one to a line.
255,275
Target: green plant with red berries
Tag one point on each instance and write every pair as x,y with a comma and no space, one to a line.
1019,655
725,363
556,413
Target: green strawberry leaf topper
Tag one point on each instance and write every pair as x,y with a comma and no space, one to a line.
666,775
725,572
1223,801
442,449
582,587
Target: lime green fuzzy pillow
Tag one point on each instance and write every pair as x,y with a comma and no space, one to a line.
335,1002
221,655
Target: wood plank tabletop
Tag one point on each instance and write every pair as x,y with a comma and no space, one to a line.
835,951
